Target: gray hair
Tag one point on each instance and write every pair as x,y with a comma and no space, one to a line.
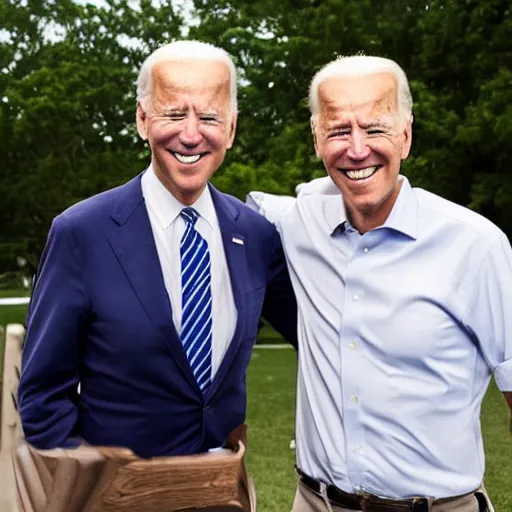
185,50
363,65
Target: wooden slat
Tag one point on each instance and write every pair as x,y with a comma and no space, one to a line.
8,501
2,345
10,427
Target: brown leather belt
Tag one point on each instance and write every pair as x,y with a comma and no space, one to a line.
364,502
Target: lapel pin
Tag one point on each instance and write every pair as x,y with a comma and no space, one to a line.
238,241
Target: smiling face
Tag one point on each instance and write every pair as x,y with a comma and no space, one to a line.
188,123
361,139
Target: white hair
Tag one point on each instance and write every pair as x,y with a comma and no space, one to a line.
184,50
363,65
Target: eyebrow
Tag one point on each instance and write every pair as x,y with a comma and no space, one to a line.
212,113
172,110
375,124
176,110
338,125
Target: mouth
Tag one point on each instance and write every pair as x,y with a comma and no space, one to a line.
187,159
360,174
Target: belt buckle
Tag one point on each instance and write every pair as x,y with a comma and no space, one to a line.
364,501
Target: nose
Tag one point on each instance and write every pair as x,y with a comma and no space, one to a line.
190,135
358,148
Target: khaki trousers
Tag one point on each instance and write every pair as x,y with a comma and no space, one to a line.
307,501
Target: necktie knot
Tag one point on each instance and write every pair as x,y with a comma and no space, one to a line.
190,215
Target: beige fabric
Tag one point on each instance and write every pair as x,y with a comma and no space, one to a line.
101,479
308,501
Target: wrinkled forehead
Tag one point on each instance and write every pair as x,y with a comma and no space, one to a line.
201,79
370,97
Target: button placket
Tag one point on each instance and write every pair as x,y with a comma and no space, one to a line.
351,364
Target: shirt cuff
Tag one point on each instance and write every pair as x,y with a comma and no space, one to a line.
503,375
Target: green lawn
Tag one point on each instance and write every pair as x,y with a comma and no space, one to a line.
271,423
270,416
13,314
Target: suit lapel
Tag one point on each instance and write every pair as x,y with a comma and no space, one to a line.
236,259
135,248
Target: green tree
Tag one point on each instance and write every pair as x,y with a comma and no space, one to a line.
69,108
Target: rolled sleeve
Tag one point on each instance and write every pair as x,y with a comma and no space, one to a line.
503,375
489,315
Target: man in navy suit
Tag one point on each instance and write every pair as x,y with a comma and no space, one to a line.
149,295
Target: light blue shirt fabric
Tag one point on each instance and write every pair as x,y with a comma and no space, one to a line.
400,330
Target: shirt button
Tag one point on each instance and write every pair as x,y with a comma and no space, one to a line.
354,399
365,249
352,345
358,449
356,297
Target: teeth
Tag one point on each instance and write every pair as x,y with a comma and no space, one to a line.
187,159
360,174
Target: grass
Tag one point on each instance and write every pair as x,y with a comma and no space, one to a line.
271,411
498,449
13,314
268,336
271,423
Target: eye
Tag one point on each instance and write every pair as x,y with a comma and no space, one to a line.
338,133
208,119
375,131
175,116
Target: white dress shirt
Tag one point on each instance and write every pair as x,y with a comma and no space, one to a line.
168,227
400,330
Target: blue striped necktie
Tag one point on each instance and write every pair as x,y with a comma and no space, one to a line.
196,301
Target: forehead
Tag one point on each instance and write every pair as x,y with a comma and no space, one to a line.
200,80
369,96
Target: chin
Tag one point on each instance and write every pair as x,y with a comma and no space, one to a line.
189,189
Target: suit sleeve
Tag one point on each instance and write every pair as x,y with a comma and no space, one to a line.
280,305
56,322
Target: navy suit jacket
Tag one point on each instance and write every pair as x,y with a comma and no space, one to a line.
100,316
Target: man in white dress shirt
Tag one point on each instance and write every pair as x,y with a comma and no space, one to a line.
404,311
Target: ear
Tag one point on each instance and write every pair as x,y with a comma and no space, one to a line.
407,133
315,139
232,130
141,122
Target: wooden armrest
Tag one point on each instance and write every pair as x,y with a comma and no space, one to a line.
105,479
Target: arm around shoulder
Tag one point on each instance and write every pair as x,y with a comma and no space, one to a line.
271,206
280,305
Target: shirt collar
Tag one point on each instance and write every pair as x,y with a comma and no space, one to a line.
335,214
404,215
167,208
402,218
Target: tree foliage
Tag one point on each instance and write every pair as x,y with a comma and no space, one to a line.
67,98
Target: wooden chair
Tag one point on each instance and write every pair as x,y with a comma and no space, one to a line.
104,479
